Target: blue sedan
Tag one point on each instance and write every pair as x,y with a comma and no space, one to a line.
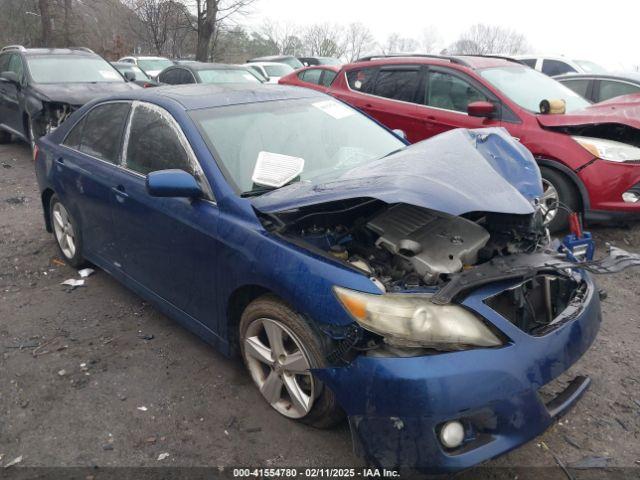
408,288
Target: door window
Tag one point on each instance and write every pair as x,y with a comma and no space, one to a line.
556,67
4,62
450,92
172,77
578,85
610,89
15,65
529,62
185,76
102,131
361,80
154,143
400,84
327,78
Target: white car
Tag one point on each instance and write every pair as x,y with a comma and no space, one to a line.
271,72
152,66
554,66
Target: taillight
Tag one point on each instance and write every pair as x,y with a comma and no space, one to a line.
35,152
147,85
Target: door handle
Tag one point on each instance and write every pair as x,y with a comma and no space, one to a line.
121,192
60,160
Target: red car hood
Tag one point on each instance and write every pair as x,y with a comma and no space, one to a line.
624,110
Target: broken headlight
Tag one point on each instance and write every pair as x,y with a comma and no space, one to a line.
413,321
609,149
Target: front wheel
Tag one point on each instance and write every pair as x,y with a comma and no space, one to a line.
66,232
279,350
558,200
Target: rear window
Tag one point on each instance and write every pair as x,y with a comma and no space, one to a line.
72,69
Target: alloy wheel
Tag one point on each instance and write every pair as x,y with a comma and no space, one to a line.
63,229
550,201
280,367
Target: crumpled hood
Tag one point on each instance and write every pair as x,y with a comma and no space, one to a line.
457,172
624,110
81,93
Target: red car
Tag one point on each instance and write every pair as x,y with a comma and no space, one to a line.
318,77
589,156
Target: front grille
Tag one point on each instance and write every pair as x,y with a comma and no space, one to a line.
541,304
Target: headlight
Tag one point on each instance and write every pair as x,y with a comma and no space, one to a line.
609,150
413,321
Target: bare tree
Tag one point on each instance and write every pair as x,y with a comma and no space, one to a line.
284,38
482,39
45,20
398,44
430,39
358,41
324,40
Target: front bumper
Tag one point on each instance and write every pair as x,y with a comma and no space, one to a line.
397,405
607,182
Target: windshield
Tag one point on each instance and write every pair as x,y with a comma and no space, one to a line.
528,88
293,62
72,69
329,61
140,75
590,67
278,70
227,76
154,64
330,136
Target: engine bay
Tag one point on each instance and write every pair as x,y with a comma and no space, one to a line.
402,247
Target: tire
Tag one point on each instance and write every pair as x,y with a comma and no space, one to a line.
269,313
566,194
64,225
5,137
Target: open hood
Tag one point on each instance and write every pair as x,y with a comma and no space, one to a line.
81,93
621,110
457,172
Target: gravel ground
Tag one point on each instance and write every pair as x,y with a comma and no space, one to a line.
95,377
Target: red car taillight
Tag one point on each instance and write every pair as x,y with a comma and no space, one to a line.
35,153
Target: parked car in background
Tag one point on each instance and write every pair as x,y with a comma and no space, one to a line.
41,87
271,72
198,72
311,77
132,73
316,238
152,66
553,66
311,61
589,156
293,62
598,88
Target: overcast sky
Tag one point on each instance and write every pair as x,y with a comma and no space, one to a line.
602,31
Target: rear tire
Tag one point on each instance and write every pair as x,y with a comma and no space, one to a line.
321,409
66,233
558,191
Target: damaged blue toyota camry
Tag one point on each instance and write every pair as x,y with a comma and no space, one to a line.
412,289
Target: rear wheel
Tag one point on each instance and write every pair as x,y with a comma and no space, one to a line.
279,349
66,232
559,198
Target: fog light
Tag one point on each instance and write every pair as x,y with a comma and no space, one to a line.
630,197
452,434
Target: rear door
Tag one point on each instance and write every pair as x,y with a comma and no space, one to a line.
85,168
166,245
445,95
11,94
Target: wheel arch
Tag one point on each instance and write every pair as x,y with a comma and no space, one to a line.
583,194
46,204
238,301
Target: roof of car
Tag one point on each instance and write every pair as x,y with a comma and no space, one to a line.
79,52
266,64
627,76
470,61
199,96
143,57
209,66
270,58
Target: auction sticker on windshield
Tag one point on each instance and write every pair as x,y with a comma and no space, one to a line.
109,74
335,109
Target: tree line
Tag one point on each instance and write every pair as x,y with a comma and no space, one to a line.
213,30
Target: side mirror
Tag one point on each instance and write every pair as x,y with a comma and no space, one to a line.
172,183
130,76
9,76
481,109
400,133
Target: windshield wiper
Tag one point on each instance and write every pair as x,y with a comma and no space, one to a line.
256,191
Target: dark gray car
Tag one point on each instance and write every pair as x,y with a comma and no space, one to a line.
600,87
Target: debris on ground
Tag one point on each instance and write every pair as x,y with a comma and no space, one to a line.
571,442
13,462
150,440
107,446
6,165
16,200
85,272
162,456
557,460
142,408
41,351
591,462
62,372
58,262
73,283
144,336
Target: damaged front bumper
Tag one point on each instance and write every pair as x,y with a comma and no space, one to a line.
397,406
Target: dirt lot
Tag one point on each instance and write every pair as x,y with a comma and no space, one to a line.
96,377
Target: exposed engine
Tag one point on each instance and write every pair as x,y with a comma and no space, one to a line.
403,247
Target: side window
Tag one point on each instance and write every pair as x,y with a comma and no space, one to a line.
361,80
74,137
172,77
400,84
102,131
185,76
610,89
450,92
578,85
556,67
153,143
4,62
15,65
312,76
327,78
529,62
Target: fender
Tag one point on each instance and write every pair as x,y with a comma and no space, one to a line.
584,194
